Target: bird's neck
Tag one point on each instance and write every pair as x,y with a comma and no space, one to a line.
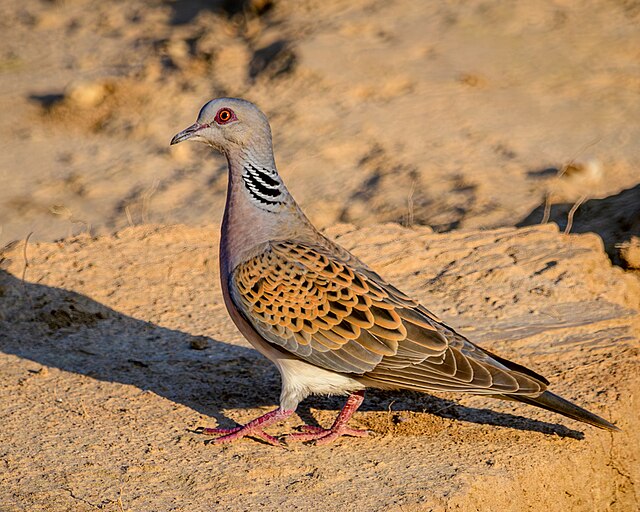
259,208
255,174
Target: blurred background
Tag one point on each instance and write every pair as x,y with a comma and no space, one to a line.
450,114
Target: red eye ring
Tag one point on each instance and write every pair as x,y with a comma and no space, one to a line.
225,115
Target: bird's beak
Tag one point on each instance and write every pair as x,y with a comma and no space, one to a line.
187,133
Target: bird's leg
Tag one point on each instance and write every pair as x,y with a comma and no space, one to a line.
254,428
339,427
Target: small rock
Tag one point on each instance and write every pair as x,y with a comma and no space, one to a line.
199,342
87,94
589,170
43,371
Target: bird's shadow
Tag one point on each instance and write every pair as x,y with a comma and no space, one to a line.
396,402
59,328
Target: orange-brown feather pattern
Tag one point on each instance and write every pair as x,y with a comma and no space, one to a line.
348,319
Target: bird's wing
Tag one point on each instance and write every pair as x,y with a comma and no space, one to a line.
345,318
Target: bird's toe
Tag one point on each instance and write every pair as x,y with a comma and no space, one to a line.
323,435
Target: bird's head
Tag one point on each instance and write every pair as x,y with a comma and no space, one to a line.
228,125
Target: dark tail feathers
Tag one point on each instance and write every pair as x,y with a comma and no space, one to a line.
555,403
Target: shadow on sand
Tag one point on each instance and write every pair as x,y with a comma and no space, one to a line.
185,11
63,329
615,219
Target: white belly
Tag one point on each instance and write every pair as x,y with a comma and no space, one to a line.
301,379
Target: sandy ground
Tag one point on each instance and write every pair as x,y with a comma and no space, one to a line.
447,114
466,123
116,349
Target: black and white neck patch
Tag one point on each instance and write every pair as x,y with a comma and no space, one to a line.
264,186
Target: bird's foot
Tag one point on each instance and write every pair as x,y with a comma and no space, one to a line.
324,435
339,428
254,428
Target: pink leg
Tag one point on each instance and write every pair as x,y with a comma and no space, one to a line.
339,427
253,428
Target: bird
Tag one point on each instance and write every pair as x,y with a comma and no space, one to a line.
328,322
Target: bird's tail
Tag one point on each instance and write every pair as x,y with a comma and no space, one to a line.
555,403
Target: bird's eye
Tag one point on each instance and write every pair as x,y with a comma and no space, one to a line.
225,115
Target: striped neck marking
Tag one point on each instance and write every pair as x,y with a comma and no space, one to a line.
264,187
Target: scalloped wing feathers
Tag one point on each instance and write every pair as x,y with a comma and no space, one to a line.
345,318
